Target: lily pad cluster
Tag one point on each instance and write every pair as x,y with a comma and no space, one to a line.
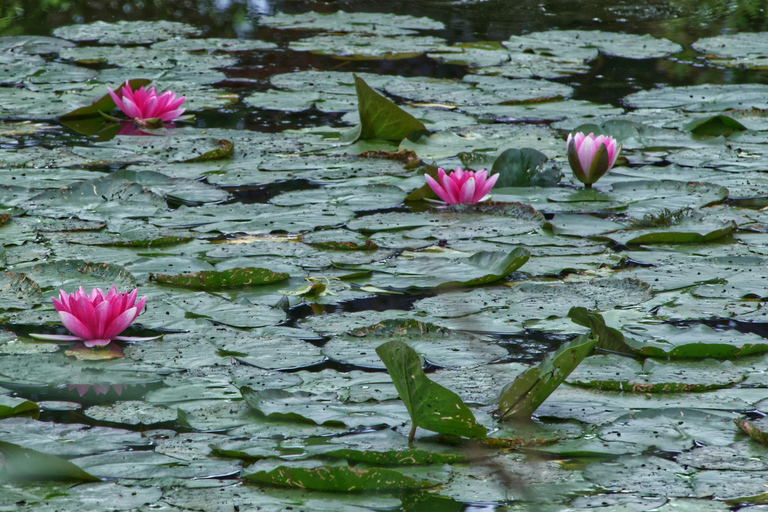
317,312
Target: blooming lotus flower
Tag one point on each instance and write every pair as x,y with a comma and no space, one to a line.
591,157
96,318
145,107
461,186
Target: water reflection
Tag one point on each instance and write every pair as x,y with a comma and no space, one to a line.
101,389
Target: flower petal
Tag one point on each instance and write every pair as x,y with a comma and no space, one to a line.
55,337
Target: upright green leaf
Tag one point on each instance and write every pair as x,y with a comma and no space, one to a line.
22,464
380,118
520,398
430,405
12,406
523,168
608,338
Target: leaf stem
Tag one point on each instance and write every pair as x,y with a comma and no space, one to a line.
412,435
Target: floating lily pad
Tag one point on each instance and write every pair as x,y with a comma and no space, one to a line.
654,376
702,98
18,291
126,32
360,46
325,476
33,45
268,349
628,46
697,341
476,90
213,44
437,345
340,21
742,50
227,279
321,409
132,413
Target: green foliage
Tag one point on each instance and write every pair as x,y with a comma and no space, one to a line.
232,278
338,477
430,405
520,398
382,119
607,338
714,126
24,465
524,168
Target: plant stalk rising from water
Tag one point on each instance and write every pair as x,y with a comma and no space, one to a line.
96,318
590,157
461,187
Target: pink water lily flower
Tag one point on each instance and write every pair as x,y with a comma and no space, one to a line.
461,186
96,318
590,157
145,107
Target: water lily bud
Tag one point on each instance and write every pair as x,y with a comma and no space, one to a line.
591,157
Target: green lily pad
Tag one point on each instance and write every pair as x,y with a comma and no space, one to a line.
476,90
361,46
340,477
321,409
702,98
269,349
132,412
33,45
697,341
654,376
438,345
97,199
18,291
649,475
71,274
126,32
742,50
235,277
447,269
340,21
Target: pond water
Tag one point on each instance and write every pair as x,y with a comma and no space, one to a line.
278,248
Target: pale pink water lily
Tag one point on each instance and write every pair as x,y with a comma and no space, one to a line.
145,106
591,157
461,186
96,318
